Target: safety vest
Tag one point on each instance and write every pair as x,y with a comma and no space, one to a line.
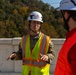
63,67
31,60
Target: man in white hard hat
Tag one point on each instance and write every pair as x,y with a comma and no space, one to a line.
35,49
66,62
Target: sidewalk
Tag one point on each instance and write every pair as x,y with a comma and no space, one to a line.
10,73
13,74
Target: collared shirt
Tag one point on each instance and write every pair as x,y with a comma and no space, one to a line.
33,40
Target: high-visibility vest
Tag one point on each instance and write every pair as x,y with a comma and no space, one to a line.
31,60
62,66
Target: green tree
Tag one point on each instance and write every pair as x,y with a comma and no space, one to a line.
49,30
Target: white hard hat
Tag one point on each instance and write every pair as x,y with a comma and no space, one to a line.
36,16
67,5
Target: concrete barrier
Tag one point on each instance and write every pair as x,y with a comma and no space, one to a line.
8,45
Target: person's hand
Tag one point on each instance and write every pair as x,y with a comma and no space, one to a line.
12,56
44,57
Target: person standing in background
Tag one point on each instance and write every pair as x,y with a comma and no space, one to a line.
66,62
36,49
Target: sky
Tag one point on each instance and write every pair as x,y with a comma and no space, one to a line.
54,3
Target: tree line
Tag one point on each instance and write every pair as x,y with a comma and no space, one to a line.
14,23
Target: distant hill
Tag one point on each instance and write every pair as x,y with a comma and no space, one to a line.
14,13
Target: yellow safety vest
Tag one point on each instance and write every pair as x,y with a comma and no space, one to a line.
31,60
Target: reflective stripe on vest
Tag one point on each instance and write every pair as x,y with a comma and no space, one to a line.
23,45
43,45
33,62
